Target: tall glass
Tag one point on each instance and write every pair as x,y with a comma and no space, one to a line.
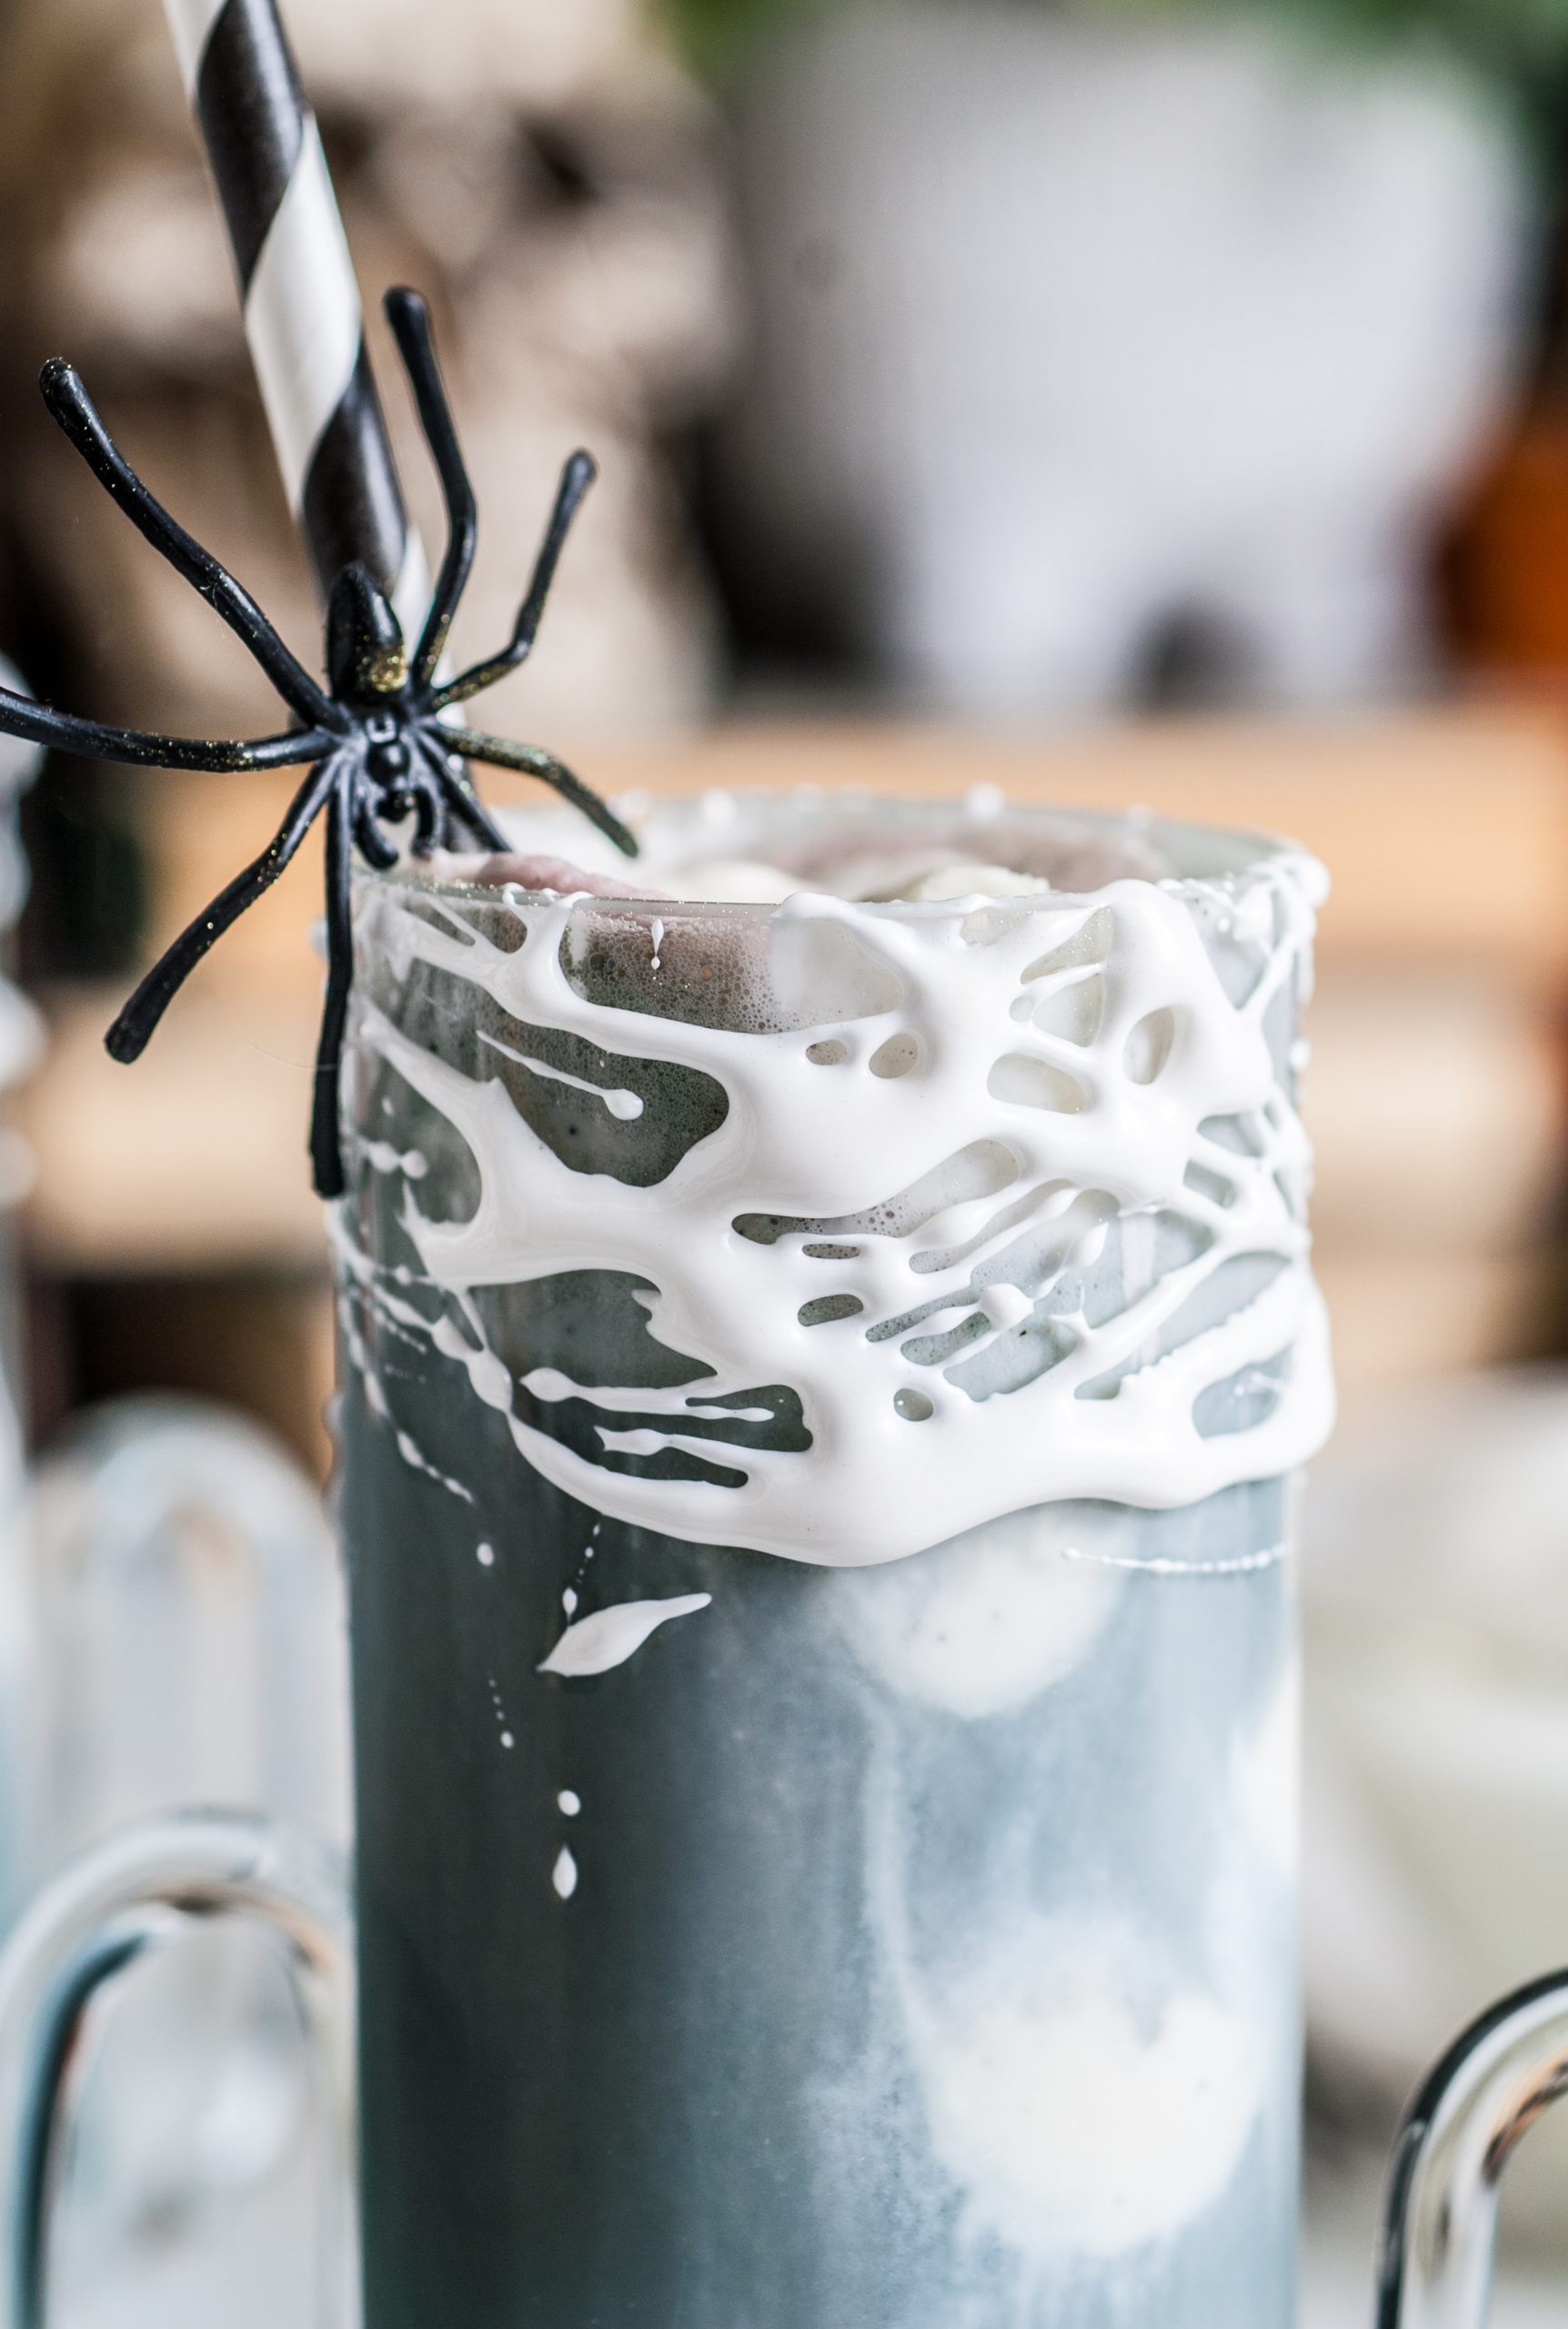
821,1388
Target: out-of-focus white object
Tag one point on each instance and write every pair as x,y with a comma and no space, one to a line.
189,1642
187,1645
1436,1568
21,1029
1066,328
20,1045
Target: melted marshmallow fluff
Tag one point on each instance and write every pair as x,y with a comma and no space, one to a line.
927,1207
608,1637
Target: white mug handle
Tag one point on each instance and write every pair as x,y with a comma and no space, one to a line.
1459,2133
142,1890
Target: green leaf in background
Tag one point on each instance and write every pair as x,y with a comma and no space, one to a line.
713,33
1502,36
1507,39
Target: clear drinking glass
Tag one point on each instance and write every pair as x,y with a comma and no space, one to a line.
904,1932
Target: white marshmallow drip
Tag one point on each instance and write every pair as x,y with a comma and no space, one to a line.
1010,1192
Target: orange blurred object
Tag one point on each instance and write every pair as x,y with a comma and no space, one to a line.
1507,565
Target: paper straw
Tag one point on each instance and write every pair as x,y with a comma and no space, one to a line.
302,313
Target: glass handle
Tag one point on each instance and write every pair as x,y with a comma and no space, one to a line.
137,1893
1440,2222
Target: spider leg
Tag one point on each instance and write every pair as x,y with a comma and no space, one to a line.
460,797
325,1144
429,804
127,1038
576,478
40,724
71,406
528,760
409,318
370,840
431,816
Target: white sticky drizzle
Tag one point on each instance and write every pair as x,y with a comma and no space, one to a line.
500,1713
416,1461
383,1157
608,1637
490,1376
1233,1565
1062,1066
624,1105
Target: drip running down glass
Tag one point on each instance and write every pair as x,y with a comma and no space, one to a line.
822,1379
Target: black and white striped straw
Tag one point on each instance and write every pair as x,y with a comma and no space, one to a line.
303,316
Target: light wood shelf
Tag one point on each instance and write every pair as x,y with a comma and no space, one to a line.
1444,952
1445,832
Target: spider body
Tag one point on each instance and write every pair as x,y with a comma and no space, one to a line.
380,743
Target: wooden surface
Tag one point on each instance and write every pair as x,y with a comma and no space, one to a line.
193,1159
1437,1100
1445,832
175,1195
1402,1318
1437,1031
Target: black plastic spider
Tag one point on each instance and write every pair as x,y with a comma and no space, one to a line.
379,748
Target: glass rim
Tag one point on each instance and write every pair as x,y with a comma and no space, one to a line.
725,817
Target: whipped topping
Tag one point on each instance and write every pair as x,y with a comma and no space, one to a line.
999,1198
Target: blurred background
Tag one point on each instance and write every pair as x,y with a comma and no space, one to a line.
1119,403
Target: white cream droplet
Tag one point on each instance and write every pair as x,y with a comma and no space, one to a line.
570,1802
610,1636
416,1461
564,1875
486,1555
569,1601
